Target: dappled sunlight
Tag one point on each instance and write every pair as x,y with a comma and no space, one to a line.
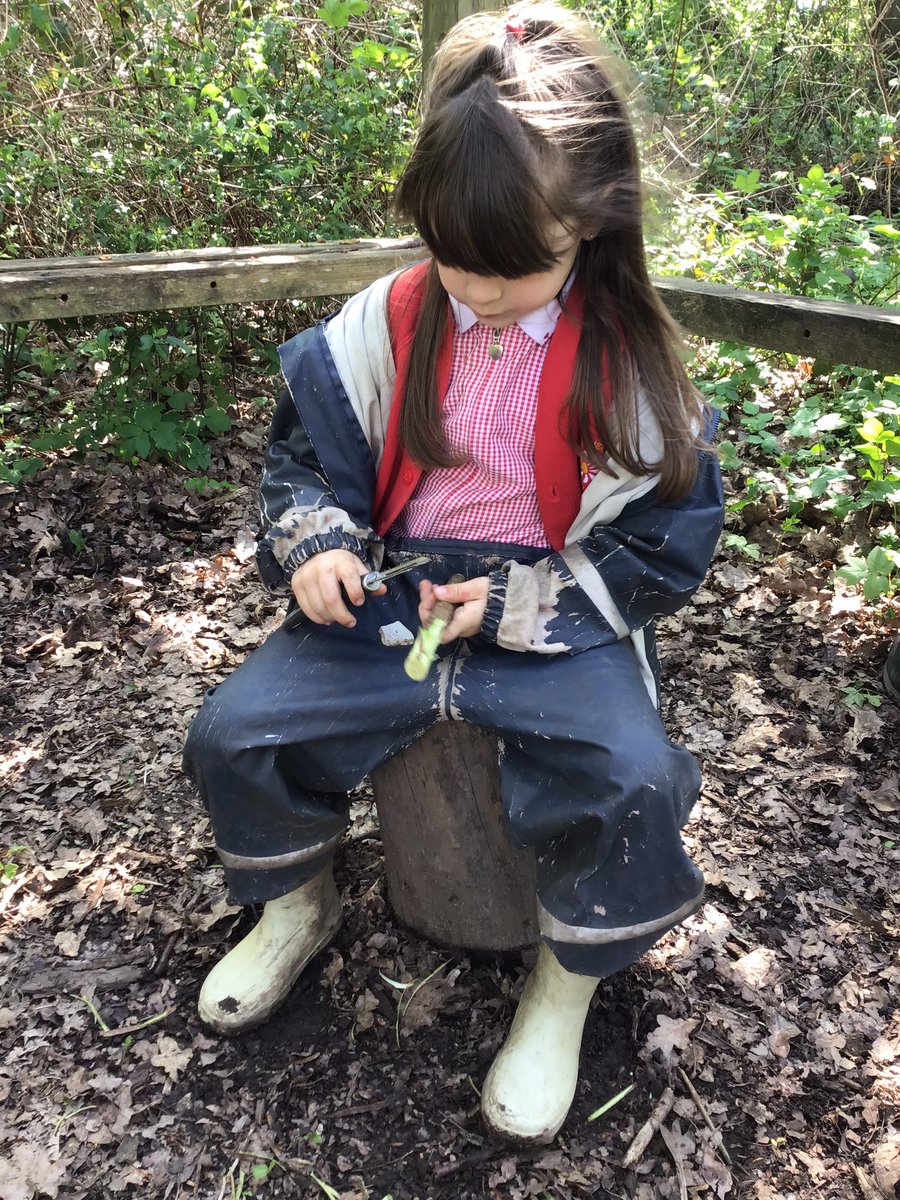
14,761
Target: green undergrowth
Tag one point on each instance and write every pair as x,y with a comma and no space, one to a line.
811,444
156,126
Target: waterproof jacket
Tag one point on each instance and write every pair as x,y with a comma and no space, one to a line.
625,559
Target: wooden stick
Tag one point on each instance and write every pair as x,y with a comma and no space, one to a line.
644,1135
425,648
701,1108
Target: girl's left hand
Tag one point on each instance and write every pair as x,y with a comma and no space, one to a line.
470,597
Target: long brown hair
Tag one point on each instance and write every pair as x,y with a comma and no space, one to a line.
524,130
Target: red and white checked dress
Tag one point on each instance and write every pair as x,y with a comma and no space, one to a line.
489,413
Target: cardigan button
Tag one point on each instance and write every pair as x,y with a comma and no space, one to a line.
407,476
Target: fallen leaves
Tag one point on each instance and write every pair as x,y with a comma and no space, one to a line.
775,998
30,1171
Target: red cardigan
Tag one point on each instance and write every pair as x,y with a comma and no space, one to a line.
556,464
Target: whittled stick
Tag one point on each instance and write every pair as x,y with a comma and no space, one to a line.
425,648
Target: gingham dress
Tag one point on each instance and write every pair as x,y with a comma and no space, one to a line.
489,413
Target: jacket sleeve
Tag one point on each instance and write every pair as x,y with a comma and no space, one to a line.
645,562
299,514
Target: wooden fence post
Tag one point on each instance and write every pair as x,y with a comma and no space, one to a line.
438,17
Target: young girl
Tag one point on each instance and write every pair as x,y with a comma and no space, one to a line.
516,408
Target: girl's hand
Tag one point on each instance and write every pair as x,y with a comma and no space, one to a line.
317,586
471,597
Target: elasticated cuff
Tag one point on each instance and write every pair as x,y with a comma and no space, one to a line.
333,539
493,613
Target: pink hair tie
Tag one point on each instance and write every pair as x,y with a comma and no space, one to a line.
517,29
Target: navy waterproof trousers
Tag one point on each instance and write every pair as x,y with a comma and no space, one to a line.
588,777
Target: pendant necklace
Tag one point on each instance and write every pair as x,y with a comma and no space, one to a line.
495,350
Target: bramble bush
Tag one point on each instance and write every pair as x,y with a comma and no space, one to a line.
743,96
156,126
828,446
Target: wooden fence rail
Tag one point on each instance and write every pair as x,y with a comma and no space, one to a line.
41,289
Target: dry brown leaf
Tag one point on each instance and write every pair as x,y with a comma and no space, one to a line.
170,1057
671,1034
30,1172
886,1163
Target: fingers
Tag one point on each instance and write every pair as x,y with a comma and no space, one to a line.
351,576
317,586
459,593
332,600
465,622
471,597
427,601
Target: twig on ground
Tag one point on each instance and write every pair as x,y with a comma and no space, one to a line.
863,918
704,1113
357,1110
135,1026
469,1160
644,1135
463,1132
161,965
867,1185
95,1012
677,1160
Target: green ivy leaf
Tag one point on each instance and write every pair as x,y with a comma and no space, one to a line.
871,430
746,181
9,43
877,560
337,13
147,417
135,441
167,437
854,572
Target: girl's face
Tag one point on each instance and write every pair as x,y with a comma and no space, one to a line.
499,302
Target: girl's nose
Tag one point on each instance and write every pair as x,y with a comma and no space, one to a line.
481,290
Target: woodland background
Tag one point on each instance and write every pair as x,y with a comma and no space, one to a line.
129,451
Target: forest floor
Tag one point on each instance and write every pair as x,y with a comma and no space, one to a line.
776,1001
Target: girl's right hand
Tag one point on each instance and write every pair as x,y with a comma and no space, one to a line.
317,586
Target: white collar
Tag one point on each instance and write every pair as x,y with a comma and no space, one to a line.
539,325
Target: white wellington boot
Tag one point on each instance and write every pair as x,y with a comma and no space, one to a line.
250,982
529,1088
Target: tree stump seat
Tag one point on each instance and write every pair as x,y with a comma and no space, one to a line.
452,874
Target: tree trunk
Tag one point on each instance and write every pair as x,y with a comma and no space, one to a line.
887,33
452,874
